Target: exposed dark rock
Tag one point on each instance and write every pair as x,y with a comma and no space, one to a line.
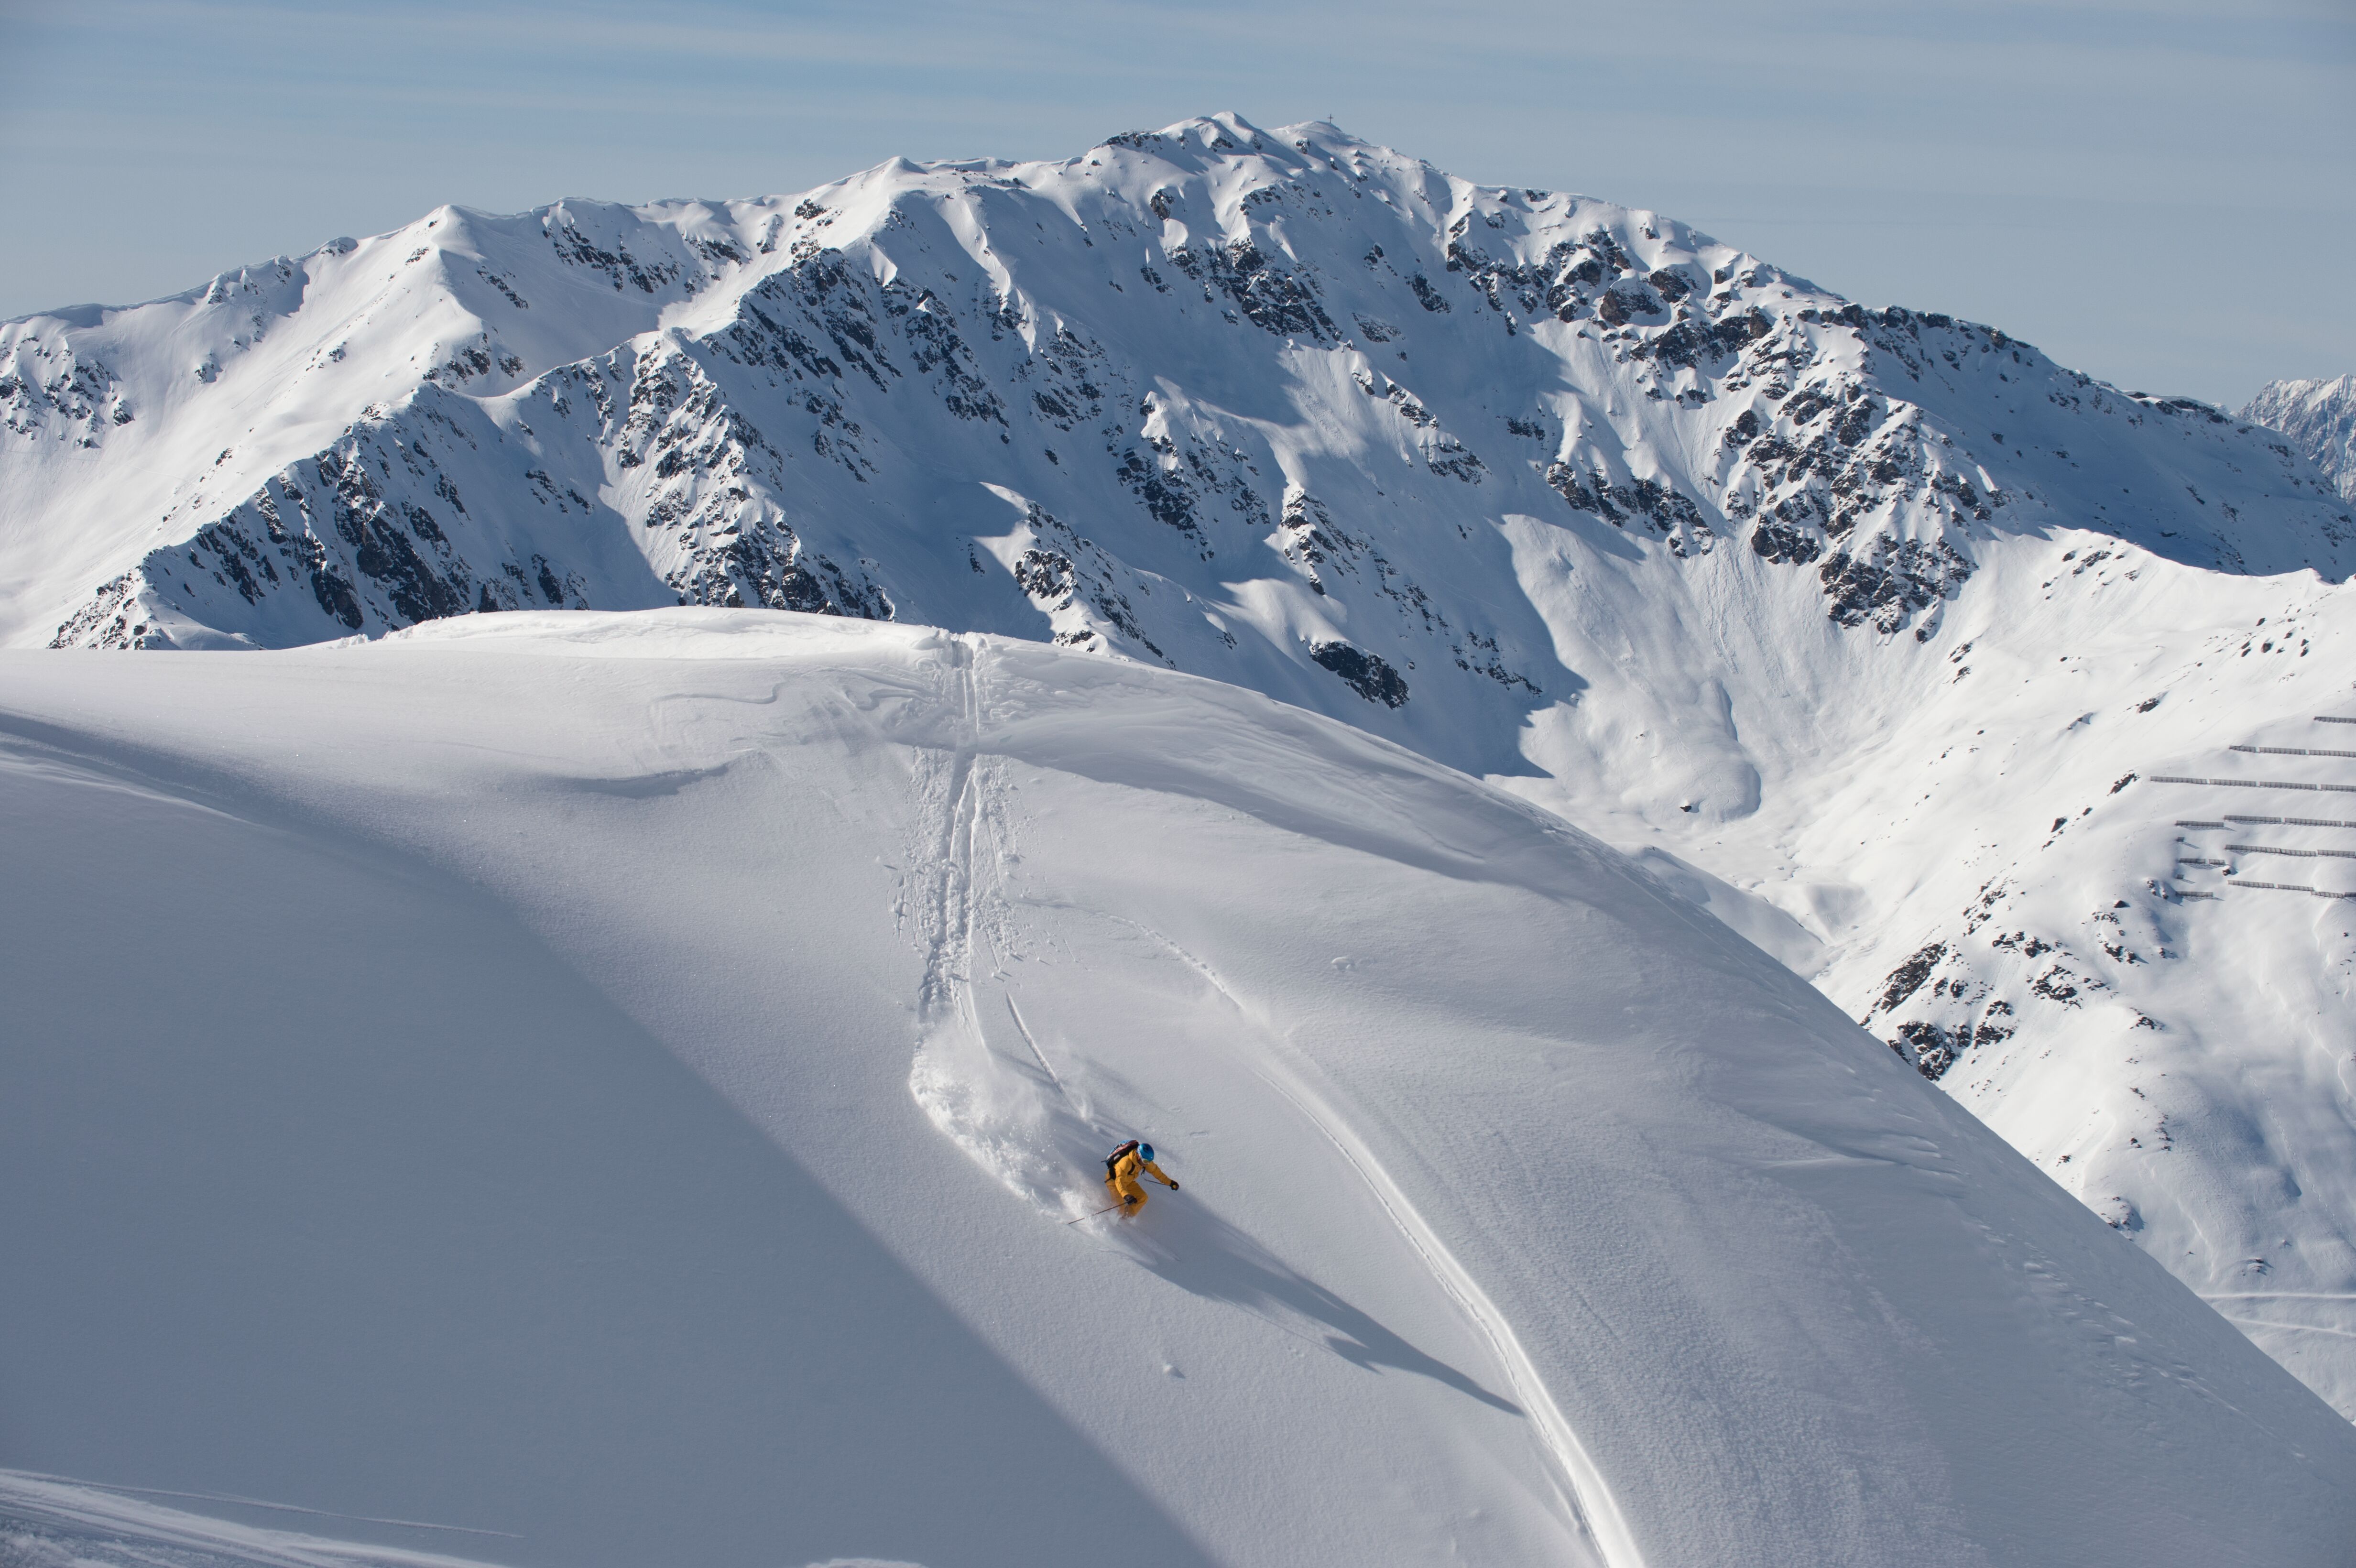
1047,574
1931,1049
1785,544
1365,674
1164,492
1647,501
1891,581
1624,301
1908,977
1270,298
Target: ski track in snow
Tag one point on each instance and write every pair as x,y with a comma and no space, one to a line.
1588,1498
1063,1131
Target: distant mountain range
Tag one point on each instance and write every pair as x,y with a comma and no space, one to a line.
2321,419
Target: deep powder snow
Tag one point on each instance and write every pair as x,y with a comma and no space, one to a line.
612,1085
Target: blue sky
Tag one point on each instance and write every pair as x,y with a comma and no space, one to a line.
2160,192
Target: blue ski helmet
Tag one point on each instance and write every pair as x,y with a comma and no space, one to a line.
1145,1153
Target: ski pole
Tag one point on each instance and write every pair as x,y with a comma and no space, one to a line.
1106,1210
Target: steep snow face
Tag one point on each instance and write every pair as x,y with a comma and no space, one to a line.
2321,419
615,1085
1869,631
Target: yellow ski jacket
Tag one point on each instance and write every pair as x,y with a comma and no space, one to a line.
1125,1184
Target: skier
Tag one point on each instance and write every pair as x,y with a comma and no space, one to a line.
1121,1171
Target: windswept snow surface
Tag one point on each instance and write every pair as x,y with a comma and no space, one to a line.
619,1082
48,1523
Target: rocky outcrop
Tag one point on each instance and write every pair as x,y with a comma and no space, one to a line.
2319,418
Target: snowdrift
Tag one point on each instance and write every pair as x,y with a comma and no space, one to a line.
615,1085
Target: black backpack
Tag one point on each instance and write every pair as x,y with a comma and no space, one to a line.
1114,1158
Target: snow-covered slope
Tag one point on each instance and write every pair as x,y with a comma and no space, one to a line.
130,431
1869,630
611,1086
2321,419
